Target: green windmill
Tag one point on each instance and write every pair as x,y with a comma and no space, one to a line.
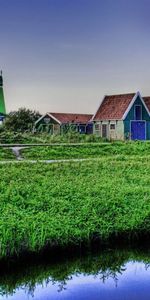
2,99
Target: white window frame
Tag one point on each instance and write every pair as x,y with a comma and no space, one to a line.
99,124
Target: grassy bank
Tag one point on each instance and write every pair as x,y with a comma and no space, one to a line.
91,150
74,202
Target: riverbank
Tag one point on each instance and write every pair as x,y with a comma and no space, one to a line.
72,203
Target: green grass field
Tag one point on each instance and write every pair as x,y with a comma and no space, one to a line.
86,150
65,203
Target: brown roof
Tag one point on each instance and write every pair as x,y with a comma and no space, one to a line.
72,118
113,107
147,102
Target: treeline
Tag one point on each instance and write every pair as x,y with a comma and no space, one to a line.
22,120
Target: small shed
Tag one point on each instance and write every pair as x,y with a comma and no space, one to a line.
123,116
57,123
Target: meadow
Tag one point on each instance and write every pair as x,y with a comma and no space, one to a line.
87,150
72,203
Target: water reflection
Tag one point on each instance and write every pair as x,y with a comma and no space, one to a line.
113,274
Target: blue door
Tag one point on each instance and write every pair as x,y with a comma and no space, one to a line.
138,130
89,128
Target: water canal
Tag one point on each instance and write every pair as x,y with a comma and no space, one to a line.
113,274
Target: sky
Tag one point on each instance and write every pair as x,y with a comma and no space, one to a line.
65,55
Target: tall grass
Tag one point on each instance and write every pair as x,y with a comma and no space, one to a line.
8,137
70,203
90,150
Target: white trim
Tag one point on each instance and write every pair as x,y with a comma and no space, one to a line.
40,119
98,108
130,105
97,124
135,111
132,102
144,104
138,121
98,131
90,120
50,115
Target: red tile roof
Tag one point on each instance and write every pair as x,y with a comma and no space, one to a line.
147,102
113,107
72,118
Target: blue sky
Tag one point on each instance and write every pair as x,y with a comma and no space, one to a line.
64,55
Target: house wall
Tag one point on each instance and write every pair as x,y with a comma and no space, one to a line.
112,134
120,130
49,125
131,116
81,128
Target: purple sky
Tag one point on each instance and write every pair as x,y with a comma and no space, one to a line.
64,55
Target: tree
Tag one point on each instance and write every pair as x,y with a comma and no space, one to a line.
21,120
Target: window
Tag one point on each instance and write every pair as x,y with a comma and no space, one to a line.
82,128
46,120
97,127
112,127
138,112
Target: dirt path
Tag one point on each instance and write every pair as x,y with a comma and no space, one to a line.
16,151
